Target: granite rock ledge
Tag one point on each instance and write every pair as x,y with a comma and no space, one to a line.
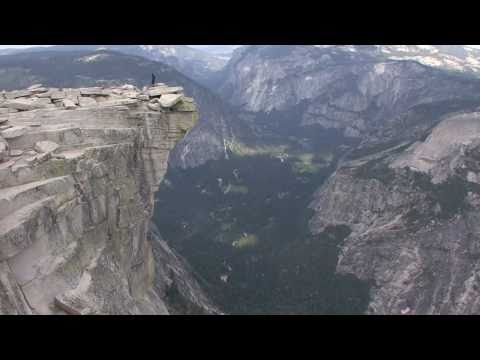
78,172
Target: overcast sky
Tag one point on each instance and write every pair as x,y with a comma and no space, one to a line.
199,46
25,46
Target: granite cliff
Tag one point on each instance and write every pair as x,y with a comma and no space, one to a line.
412,214
78,172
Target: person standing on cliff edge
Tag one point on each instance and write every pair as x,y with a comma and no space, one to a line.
153,79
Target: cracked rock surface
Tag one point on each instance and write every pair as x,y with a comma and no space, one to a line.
78,173
413,212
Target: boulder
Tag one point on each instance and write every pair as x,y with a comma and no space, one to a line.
131,94
94,91
46,146
41,101
68,104
169,100
38,91
17,94
118,102
154,107
48,93
186,104
72,95
128,87
86,101
22,105
31,160
163,90
58,95
142,97
13,132
72,305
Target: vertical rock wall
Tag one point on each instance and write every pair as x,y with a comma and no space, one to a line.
78,174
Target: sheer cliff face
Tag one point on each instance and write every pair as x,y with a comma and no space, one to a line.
413,212
362,95
77,182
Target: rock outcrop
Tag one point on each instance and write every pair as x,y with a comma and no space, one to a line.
78,173
413,212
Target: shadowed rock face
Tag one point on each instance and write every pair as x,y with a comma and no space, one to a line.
413,211
77,184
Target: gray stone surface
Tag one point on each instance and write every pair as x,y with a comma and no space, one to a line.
170,100
163,90
68,104
16,152
87,101
18,94
414,218
97,91
46,146
14,132
58,95
3,149
23,105
74,225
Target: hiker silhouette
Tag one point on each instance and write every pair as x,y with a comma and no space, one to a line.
153,79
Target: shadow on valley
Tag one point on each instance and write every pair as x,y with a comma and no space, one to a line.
242,223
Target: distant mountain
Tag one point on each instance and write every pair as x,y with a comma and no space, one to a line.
8,51
463,58
222,51
194,63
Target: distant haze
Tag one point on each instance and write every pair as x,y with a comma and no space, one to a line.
194,46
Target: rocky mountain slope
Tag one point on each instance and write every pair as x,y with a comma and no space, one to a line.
366,98
222,51
413,215
345,178
458,58
197,64
78,172
317,115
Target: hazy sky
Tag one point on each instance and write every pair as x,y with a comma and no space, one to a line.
199,46
24,46
17,46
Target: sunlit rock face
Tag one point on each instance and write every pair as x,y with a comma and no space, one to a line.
78,173
359,91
